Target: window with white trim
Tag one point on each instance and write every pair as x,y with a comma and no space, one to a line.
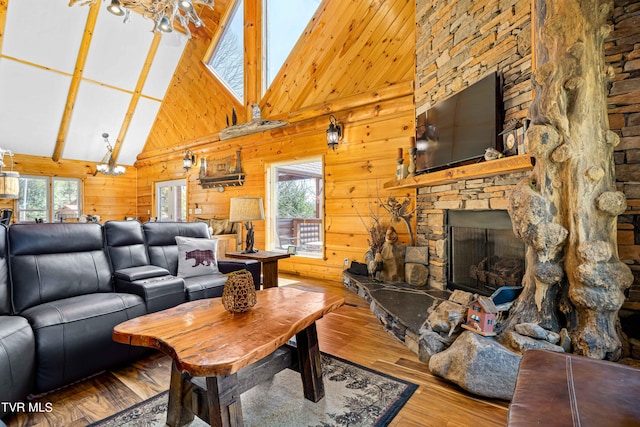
295,202
171,199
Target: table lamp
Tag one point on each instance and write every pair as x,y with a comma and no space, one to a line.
246,209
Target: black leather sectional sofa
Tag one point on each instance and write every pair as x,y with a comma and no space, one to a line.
64,286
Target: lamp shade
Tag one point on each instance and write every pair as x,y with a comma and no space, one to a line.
243,209
9,185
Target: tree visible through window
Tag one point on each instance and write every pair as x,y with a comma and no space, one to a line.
297,200
36,192
33,199
227,61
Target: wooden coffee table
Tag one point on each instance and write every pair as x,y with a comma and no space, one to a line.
233,352
269,261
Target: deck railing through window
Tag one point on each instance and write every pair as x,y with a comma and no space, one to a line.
303,233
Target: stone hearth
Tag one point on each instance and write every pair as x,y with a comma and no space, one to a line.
401,308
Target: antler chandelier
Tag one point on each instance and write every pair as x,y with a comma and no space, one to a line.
162,12
108,165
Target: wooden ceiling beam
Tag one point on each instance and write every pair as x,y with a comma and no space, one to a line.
253,53
75,81
4,5
157,36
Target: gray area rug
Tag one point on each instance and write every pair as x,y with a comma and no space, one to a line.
354,396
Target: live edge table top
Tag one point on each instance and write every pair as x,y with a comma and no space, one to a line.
205,340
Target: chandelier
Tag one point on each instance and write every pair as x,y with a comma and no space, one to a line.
107,166
162,12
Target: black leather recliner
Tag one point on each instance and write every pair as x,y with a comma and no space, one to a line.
132,271
59,303
62,284
162,248
17,344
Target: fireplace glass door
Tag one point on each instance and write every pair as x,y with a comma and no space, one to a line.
484,254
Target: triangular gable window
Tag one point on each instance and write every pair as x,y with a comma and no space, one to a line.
285,20
227,61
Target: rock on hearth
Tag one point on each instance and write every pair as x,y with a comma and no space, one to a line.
479,365
536,331
417,255
523,343
446,317
431,343
416,274
532,330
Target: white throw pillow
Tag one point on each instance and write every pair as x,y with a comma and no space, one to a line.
196,256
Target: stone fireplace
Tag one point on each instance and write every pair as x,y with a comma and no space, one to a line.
464,223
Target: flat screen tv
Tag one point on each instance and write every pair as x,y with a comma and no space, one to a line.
460,128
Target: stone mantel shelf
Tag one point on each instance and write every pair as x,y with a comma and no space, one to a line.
475,170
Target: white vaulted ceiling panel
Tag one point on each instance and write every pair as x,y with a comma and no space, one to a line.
164,64
44,32
138,131
118,50
31,105
98,109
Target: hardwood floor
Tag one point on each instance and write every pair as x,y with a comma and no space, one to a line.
351,332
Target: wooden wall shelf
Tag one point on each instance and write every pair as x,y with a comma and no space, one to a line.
231,180
475,170
249,128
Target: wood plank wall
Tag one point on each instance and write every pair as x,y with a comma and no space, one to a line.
361,72
108,196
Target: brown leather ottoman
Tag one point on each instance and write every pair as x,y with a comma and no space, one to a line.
558,389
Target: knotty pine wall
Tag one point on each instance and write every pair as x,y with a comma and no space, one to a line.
353,178
355,61
108,196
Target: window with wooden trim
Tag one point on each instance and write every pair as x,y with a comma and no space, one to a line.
49,198
227,61
284,22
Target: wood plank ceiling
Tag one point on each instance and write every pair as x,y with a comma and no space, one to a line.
68,74
340,61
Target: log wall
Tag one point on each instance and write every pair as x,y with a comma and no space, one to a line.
108,196
361,73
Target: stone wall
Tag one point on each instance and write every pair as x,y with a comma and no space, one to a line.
433,202
461,41
458,42
622,52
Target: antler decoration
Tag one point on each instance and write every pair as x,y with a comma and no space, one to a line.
400,211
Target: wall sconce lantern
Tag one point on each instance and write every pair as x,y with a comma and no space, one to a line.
189,160
334,133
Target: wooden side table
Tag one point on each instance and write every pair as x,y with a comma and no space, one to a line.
269,261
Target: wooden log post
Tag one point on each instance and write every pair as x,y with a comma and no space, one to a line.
567,210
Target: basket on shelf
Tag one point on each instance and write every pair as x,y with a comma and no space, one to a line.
239,293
